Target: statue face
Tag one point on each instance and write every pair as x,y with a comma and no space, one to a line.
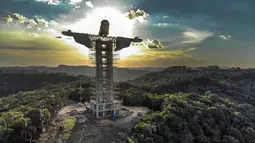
104,28
105,25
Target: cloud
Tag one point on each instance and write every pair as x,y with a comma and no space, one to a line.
155,44
195,36
165,16
228,11
74,2
179,36
19,49
89,4
225,37
20,40
56,2
149,44
231,17
166,25
162,58
50,2
35,23
33,34
139,15
163,24
46,9
34,26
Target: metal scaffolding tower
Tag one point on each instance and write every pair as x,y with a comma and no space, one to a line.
104,55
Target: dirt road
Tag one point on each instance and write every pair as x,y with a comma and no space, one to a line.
50,135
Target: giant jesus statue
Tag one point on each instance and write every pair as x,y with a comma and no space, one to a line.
104,46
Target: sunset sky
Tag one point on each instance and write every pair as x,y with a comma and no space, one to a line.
183,32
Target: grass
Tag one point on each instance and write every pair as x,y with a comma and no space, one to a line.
68,127
130,140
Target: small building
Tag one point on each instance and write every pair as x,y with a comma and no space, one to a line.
81,119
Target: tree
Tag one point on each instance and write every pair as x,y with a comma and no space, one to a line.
85,94
13,120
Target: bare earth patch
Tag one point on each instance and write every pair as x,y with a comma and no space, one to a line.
90,132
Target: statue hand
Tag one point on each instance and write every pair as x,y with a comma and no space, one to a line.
136,39
67,33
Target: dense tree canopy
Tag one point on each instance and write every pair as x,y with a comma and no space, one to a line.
207,105
188,104
20,115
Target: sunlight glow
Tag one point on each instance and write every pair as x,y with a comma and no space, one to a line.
120,25
132,50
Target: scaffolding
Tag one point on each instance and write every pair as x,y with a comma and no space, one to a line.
103,56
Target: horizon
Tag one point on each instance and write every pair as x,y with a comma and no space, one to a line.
191,34
221,67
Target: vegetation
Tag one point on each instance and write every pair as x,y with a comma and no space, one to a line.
197,118
235,84
11,83
194,105
20,117
188,105
69,125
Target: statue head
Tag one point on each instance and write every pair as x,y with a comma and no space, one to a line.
104,28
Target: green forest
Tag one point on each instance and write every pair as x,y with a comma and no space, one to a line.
200,105
20,111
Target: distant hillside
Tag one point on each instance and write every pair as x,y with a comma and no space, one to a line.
188,105
120,74
14,82
184,79
194,105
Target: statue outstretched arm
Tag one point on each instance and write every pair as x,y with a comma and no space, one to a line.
125,42
136,39
70,33
80,38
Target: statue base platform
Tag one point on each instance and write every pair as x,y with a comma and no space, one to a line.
104,110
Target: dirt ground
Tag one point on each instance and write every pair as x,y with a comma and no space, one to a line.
50,135
71,105
90,132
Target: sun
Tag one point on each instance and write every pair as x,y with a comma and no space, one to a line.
120,25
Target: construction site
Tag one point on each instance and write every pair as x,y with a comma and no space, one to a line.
103,54
103,119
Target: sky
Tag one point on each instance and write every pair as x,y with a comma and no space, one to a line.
183,32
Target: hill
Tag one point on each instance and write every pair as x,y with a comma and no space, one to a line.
20,113
14,82
207,105
203,105
120,74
